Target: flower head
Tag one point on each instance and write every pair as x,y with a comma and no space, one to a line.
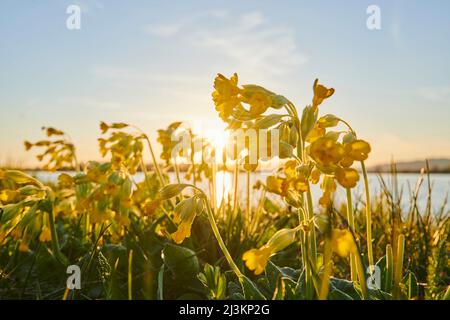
320,93
45,235
347,177
256,259
225,95
325,151
184,215
258,98
357,150
343,243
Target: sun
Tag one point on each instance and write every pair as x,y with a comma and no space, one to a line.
219,138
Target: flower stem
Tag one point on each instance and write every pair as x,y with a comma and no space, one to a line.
219,239
55,243
328,266
351,224
249,204
368,216
130,275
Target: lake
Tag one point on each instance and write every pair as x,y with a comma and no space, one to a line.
406,182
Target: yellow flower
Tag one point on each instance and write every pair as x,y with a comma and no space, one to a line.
183,231
326,151
256,259
325,199
184,215
28,145
315,176
299,184
315,134
320,93
258,98
346,162
358,150
225,96
343,243
8,195
102,216
104,127
347,177
52,131
45,235
274,184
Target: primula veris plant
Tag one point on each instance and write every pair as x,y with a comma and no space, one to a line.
143,227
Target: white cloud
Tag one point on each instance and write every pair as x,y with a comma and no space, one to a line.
248,43
252,20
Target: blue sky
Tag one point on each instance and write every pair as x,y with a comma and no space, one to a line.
153,62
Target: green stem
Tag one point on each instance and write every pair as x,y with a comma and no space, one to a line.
312,230
249,204
328,266
55,243
219,239
155,162
389,268
130,275
351,224
362,278
399,266
368,216
236,180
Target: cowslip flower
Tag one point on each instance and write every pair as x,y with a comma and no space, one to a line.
184,215
325,151
357,150
343,243
315,134
320,93
258,98
257,259
347,177
45,235
225,95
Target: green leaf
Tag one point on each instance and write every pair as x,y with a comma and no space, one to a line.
214,281
286,150
181,261
411,285
251,292
268,121
9,211
20,177
29,216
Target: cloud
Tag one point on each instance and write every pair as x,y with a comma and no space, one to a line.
436,93
249,42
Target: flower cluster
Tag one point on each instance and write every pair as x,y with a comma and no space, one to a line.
58,152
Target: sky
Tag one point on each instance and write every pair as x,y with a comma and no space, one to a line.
153,62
